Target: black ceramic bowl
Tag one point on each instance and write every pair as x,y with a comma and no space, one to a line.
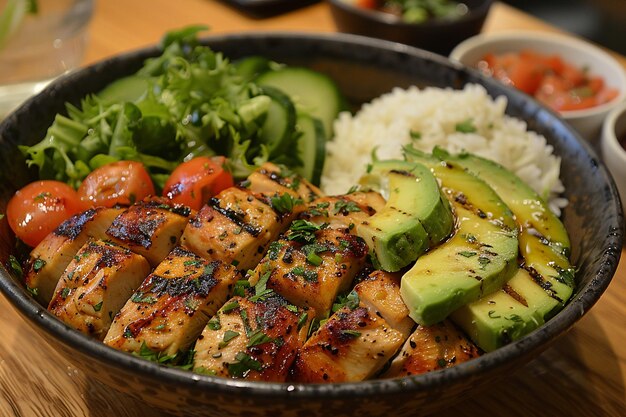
436,35
364,68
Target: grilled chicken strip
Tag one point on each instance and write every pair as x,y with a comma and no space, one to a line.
270,180
151,228
96,284
431,348
311,265
255,338
380,292
346,211
352,345
49,259
236,226
173,304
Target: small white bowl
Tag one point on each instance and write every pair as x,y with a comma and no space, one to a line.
587,122
614,154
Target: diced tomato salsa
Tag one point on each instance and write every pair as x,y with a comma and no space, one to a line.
551,80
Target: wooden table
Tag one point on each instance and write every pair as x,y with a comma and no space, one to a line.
583,374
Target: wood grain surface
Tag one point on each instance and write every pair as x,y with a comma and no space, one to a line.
582,374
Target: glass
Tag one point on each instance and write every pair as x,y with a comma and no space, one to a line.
39,40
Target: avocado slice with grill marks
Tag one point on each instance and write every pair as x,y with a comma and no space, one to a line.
477,260
416,215
545,281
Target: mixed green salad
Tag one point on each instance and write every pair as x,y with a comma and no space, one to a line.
191,101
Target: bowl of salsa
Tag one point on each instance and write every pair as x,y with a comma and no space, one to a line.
574,78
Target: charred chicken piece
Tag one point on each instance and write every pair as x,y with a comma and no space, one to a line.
96,284
173,304
254,337
49,259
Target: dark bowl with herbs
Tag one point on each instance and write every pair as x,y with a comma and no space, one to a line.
363,69
436,26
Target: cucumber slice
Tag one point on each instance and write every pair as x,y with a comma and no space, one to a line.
252,66
280,124
311,148
311,91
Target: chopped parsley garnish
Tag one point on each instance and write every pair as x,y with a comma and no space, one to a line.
303,231
15,266
351,333
302,320
65,292
258,338
274,250
415,135
98,306
345,207
214,323
284,203
466,126
140,297
307,274
311,251
245,363
32,291
228,336
230,306
181,359
193,262
351,301
38,264
240,287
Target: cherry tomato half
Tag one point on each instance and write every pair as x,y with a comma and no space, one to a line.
193,182
121,182
39,208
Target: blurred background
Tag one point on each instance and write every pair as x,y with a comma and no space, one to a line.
602,21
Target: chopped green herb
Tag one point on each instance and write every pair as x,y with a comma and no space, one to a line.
468,254
442,362
304,231
240,287
274,250
230,306
351,301
345,207
466,126
302,320
33,291
140,297
38,264
214,323
193,262
258,338
98,306
415,135
228,336
65,292
245,363
284,203
262,283
351,333
204,371
15,266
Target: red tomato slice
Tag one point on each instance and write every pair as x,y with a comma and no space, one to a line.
193,182
121,182
39,208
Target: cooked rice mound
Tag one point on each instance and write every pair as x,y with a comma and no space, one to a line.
433,117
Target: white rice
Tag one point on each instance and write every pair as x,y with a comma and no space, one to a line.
383,126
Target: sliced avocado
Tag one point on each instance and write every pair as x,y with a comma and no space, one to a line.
506,315
477,260
548,279
415,217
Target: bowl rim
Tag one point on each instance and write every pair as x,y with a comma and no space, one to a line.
483,40
387,19
609,136
38,315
